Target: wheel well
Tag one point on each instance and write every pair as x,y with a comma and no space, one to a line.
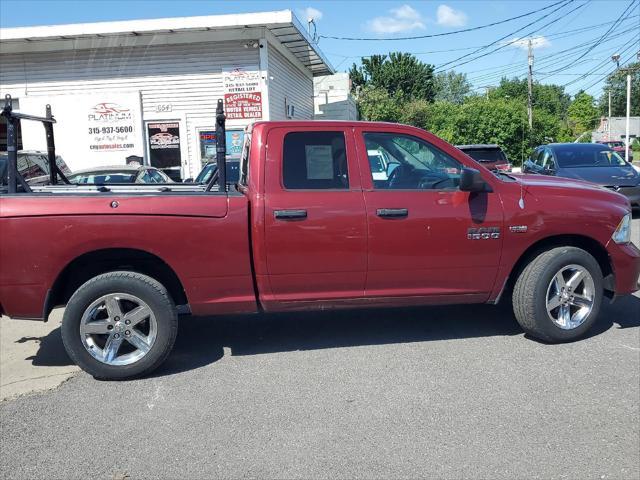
587,244
94,263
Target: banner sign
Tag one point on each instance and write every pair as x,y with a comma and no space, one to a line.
92,130
111,127
243,105
242,98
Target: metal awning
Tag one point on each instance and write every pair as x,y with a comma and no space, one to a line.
283,25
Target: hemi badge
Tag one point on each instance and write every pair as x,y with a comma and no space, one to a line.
518,228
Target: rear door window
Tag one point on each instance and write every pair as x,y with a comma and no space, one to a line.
314,161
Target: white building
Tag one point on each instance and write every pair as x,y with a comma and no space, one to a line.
150,87
333,99
615,128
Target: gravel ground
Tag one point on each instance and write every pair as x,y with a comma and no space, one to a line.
447,392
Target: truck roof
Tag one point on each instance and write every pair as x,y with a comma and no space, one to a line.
315,123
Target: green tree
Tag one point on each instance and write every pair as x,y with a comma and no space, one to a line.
582,113
442,120
551,98
401,75
451,87
495,120
376,105
415,112
616,83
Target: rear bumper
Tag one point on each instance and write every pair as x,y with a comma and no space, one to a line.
626,267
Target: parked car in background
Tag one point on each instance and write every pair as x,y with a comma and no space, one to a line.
119,174
490,155
33,166
211,169
592,162
618,147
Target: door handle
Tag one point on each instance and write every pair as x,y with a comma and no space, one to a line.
392,212
289,214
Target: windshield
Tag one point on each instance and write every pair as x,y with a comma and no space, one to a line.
592,157
233,172
206,173
486,154
103,177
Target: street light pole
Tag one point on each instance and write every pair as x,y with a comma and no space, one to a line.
609,118
627,143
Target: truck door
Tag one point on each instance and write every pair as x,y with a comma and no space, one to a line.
426,237
315,226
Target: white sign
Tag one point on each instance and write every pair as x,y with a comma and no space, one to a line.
242,95
319,162
241,79
91,130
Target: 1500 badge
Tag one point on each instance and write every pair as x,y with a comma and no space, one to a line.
483,233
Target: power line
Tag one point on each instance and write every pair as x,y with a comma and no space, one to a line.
604,36
564,34
550,59
533,12
599,66
506,36
630,45
603,78
439,67
547,60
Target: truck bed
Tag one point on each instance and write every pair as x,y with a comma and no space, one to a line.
202,237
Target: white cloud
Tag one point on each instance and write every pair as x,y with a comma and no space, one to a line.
401,19
311,13
449,17
523,43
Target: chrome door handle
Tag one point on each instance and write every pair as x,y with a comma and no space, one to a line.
289,214
392,212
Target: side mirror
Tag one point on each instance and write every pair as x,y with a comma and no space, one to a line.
188,180
472,181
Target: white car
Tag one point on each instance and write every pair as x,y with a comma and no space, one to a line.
378,162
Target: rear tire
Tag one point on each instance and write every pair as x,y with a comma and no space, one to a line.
119,325
558,295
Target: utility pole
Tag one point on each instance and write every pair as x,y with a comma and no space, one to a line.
530,96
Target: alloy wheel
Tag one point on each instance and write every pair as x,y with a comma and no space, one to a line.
570,296
118,329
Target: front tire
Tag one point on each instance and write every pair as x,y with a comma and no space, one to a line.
119,325
558,295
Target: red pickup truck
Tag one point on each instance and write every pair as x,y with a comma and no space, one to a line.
308,227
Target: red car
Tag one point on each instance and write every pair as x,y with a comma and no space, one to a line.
619,148
490,155
307,228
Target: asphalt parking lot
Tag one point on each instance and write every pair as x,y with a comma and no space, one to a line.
446,392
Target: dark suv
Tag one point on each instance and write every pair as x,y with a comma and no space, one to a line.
490,155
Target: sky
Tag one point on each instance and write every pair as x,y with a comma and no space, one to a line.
573,41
